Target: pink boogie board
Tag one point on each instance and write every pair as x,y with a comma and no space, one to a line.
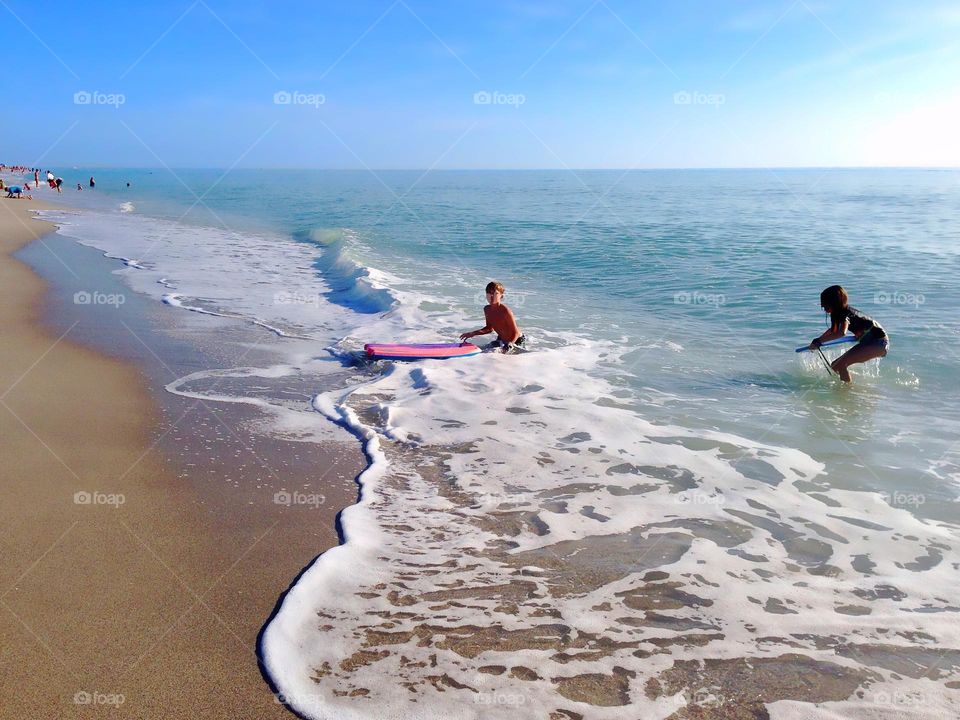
435,351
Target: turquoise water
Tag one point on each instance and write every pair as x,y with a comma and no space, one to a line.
711,277
660,421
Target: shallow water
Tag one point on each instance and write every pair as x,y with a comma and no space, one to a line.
660,482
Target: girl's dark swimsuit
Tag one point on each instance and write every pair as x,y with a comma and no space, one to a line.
864,327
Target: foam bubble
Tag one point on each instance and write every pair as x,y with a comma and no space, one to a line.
545,509
531,529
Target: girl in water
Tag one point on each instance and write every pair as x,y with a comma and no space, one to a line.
872,338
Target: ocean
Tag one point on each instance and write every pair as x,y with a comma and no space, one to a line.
660,504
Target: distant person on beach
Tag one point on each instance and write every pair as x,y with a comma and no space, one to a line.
58,183
93,183
872,340
14,190
36,178
499,318
79,187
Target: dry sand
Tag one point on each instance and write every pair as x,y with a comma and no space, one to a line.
149,607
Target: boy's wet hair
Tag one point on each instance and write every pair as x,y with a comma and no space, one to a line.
494,286
834,297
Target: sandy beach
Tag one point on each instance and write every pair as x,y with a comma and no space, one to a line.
122,586
534,538
446,361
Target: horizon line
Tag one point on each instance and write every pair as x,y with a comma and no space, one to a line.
294,168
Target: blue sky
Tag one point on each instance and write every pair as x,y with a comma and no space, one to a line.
487,84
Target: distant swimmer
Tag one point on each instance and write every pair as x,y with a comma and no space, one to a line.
499,318
872,338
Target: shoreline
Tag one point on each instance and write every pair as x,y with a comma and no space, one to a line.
489,545
134,582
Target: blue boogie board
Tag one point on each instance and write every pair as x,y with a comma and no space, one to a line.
840,341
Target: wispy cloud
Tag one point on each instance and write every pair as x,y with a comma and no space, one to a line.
907,61
599,70
931,15
870,51
758,18
539,10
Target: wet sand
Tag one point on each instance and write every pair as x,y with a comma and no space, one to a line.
131,583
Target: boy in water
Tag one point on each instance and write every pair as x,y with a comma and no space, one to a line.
499,319
872,338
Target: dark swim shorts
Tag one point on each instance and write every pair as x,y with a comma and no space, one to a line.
508,347
873,339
